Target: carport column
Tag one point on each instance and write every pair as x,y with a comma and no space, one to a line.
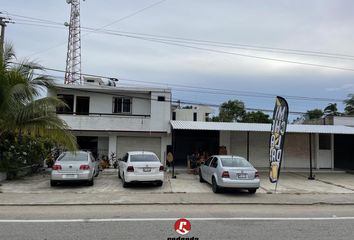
112,146
311,177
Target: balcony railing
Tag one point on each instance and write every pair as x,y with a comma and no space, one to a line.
114,122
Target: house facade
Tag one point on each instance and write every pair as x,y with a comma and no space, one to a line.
196,113
113,120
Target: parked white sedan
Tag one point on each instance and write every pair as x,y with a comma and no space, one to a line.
74,166
223,171
140,166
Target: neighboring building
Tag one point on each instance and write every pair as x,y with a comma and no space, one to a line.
108,119
196,113
332,120
327,147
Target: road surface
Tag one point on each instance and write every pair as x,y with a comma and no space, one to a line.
157,222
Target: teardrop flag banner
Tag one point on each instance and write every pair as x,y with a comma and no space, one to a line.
277,138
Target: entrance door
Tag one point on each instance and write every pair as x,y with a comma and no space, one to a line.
324,151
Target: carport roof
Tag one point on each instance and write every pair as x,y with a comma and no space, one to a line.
260,127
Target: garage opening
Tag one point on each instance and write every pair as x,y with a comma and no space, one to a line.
187,142
344,151
88,143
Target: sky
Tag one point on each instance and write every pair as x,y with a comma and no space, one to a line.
236,56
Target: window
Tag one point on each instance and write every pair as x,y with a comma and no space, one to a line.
194,116
324,141
69,101
121,105
143,158
82,105
161,98
214,163
234,162
208,161
173,115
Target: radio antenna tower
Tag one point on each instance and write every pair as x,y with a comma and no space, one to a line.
73,58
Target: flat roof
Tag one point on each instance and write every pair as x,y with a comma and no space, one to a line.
259,127
105,88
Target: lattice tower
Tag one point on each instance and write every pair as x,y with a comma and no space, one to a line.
73,58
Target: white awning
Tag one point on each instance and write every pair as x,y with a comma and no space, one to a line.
260,127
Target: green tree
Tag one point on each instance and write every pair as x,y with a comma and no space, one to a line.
349,105
22,111
232,111
256,117
331,110
315,113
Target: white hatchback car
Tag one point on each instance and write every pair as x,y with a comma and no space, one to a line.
141,166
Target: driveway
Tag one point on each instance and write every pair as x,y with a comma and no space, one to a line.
108,182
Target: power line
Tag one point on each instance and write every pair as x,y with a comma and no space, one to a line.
215,90
168,42
248,55
211,43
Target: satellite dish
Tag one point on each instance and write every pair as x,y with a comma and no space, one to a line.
66,24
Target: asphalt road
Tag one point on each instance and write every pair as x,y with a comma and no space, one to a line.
156,222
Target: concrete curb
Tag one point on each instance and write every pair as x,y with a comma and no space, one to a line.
174,199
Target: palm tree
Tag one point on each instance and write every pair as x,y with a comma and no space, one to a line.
331,110
349,105
22,111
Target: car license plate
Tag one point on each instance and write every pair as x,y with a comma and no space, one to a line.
147,169
70,176
242,175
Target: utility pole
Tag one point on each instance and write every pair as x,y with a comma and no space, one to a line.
3,22
2,37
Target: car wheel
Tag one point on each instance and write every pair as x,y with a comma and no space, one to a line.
252,190
214,185
53,183
96,173
91,182
125,184
200,176
159,184
119,174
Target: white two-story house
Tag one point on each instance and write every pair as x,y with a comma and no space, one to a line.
114,119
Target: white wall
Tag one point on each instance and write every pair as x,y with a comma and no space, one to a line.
296,149
347,121
238,144
160,112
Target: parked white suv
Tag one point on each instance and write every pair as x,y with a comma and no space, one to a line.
140,166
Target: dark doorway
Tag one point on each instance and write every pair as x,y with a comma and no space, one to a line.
88,143
344,151
82,105
186,142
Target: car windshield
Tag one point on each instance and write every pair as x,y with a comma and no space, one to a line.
76,156
143,158
235,162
